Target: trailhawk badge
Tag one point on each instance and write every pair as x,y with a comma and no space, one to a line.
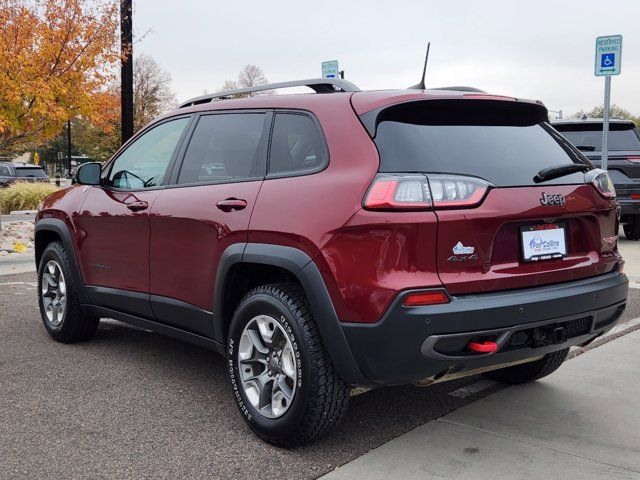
462,253
460,249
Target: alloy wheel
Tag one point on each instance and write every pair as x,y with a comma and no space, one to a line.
267,366
53,292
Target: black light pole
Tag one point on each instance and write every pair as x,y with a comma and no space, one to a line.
126,75
68,172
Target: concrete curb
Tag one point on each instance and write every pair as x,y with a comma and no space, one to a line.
23,212
616,332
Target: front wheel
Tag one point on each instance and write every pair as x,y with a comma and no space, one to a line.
58,299
531,371
282,378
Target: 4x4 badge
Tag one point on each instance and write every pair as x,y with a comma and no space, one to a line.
557,199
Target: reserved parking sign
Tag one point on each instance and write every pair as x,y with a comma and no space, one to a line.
608,55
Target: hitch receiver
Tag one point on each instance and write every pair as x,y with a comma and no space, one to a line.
551,335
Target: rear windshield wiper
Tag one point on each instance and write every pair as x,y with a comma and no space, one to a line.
586,148
560,171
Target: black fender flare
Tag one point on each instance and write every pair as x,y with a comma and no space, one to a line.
305,270
60,228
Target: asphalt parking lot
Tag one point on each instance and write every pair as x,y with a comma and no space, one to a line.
134,404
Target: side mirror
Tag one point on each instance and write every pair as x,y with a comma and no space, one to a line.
88,174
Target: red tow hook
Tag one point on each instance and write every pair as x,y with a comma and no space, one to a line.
484,347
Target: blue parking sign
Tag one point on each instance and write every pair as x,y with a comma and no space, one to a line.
608,60
608,55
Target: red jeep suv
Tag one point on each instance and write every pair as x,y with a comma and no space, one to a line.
339,238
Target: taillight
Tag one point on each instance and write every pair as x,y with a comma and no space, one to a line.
602,181
451,191
421,192
633,158
389,192
424,298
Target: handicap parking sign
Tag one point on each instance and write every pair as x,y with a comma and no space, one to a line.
608,55
608,60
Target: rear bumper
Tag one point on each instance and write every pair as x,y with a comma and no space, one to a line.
629,207
411,344
624,191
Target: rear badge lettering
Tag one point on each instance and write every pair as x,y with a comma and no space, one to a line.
557,199
462,253
460,249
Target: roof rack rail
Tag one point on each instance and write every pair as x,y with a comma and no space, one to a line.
460,89
319,85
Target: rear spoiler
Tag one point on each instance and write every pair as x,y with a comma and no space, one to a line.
466,111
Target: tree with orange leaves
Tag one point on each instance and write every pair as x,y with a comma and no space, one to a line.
57,58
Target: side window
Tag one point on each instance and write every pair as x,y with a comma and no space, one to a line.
144,163
296,144
4,171
223,147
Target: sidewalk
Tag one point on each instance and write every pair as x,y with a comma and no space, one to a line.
581,422
17,263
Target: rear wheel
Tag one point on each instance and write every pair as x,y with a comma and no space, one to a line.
282,378
632,229
529,372
58,299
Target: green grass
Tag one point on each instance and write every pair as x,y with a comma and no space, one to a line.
23,196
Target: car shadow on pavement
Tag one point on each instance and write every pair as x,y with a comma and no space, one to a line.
133,403
200,378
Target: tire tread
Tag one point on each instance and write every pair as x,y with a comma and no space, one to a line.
330,396
76,326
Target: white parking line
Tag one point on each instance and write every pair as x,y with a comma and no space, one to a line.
479,386
626,327
474,388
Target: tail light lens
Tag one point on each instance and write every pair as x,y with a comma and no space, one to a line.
457,191
422,192
389,192
602,181
426,297
633,158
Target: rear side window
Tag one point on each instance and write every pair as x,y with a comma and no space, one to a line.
589,137
296,145
30,172
502,143
223,147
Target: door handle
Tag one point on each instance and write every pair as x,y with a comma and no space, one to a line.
229,204
137,206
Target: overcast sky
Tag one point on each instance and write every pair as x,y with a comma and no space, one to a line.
532,49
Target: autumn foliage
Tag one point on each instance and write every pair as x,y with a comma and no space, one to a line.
56,59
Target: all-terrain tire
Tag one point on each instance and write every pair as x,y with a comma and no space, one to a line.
321,397
529,372
74,326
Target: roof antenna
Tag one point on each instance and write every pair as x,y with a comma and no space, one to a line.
421,85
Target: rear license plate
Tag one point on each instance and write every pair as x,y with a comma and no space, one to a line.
543,242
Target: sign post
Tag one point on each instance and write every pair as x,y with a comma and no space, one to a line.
330,69
608,62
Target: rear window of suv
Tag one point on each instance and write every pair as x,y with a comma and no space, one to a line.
25,172
622,137
503,142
